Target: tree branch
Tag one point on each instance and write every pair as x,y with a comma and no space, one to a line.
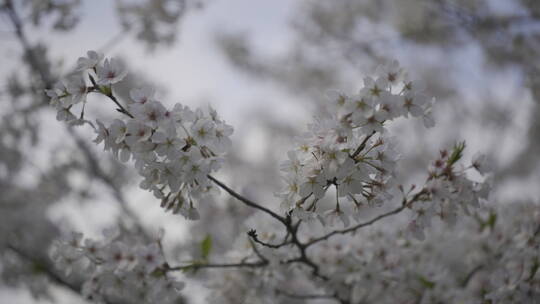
48,81
305,296
218,265
59,280
247,201
470,275
253,234
404,205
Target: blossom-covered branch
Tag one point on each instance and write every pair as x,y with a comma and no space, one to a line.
347,150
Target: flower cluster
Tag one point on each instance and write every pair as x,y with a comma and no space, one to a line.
117,268
75,89
174,149
347,148
491,258
448,190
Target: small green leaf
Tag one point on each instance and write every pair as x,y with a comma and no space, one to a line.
489,222
457,153
427,283
534,269
105,90
206,246
492,220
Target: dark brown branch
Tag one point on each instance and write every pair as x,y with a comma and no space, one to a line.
257,252
471,274
111,96
404,205
247,201
45,270
121,109
218,265
537,232
305,296
253,234
303,258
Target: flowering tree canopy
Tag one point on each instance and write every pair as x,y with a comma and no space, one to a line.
345,227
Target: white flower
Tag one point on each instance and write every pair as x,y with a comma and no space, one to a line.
438,189
196,169
424,213
359,105
190,213
114,256
168,144
73,239
334,215
142,95
92,249
427,115
413,104
372,121
112,71
171,174
373,87
150,113
481,163
64,114
137,133
351,184
389,106
90,62
332,162
427,118
56,94
118,131
292,165
102,132
391,72
150,257
314,184
222,140
414,87
292,188
203,131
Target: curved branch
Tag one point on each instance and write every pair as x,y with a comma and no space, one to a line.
404,205
246,201
253,234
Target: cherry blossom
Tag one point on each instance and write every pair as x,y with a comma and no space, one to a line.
340,177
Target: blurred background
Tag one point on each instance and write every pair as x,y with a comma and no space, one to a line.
266,67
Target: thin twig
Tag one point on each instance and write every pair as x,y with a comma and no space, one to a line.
253,234
362,145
